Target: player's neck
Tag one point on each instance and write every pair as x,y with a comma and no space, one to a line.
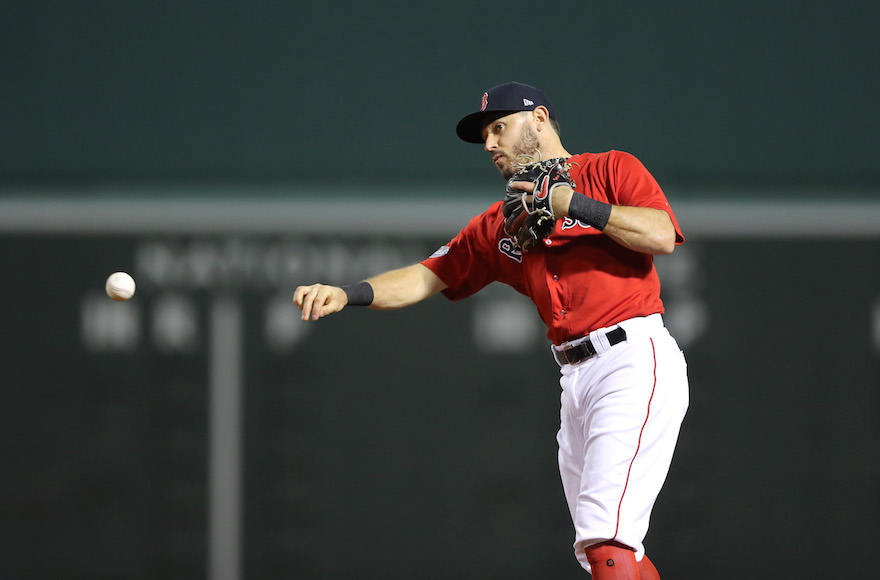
554,152
551,148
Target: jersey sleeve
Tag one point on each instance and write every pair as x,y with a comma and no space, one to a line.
634,185
468,263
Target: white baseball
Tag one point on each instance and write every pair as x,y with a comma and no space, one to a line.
120,286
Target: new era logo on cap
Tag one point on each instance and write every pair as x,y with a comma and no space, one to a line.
509,97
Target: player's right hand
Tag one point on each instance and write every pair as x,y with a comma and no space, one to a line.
319,300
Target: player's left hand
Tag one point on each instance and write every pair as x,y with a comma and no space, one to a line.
536,198
561,196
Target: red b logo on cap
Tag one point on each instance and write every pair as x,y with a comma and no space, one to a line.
485,102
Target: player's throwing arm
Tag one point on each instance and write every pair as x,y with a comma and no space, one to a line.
388,291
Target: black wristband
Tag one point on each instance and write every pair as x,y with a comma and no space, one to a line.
360,294
589,211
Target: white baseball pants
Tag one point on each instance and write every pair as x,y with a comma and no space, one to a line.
621,411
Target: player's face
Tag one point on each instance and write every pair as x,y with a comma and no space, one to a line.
509,138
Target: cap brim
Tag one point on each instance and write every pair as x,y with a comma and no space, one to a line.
470,128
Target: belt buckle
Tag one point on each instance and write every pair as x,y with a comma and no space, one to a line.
584,350
561,357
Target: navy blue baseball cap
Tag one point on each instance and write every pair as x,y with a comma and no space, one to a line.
506,98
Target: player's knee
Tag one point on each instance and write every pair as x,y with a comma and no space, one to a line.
611,560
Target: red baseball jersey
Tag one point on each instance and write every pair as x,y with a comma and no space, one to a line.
579,279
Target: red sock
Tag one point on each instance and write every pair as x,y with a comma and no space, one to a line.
612,561
647,570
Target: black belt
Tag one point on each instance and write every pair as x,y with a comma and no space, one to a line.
584,350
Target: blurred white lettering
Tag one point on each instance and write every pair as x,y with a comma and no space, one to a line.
107,325
175,325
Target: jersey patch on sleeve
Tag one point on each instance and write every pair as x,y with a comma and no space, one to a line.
441,251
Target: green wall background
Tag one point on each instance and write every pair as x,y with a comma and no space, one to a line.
715,98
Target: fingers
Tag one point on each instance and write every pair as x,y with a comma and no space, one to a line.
307,300
526,186
316,301
513,223
512,204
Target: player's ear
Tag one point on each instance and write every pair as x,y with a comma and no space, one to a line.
542,117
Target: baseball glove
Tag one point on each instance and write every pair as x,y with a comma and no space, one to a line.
529,218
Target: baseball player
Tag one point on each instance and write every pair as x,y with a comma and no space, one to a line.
577,235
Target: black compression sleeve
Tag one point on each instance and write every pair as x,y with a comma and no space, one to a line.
360,294
589,211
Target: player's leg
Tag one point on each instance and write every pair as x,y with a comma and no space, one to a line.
631,414
612,561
